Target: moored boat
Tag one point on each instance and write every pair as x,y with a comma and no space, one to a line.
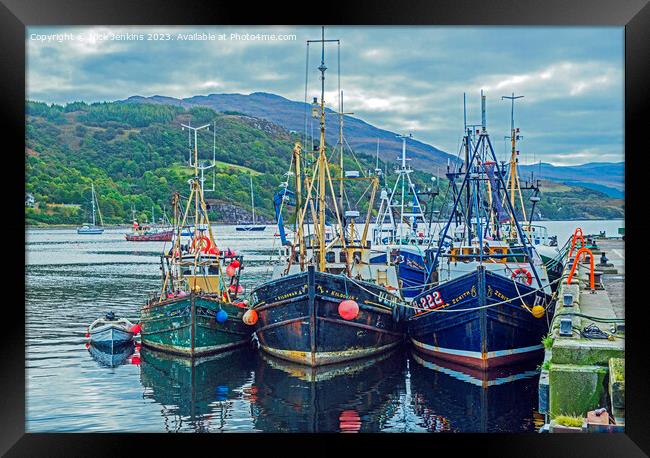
110,332
197,311
327,302
251,227
401,229
490,297
147,234
91,229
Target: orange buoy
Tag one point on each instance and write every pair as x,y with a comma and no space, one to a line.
348,309
250,317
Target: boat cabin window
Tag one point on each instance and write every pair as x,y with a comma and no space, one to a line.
343,256
330,256
357,256
213,270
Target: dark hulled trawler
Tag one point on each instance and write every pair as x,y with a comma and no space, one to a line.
327,302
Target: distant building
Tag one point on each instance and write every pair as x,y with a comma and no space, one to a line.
29,200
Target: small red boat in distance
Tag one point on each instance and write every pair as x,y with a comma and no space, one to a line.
149,234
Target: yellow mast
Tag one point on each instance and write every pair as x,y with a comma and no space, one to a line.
297,152
322,161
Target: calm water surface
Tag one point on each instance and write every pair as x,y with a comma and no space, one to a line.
73,279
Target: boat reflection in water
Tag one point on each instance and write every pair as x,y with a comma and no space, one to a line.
198,394
355,396
121,354
456,398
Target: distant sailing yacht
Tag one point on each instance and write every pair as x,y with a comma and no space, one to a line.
94,229
251,227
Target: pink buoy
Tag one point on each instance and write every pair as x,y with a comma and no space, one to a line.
230,271
348,309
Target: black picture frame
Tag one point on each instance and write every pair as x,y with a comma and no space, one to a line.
634,15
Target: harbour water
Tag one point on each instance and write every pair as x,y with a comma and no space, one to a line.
73,279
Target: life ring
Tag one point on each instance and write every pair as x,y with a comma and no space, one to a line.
517,273
207,246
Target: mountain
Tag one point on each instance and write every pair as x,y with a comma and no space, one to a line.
606,177
135,154
289,114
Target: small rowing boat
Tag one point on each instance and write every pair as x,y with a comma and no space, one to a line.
110,332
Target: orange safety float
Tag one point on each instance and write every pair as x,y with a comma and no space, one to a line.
250,317
519,273
204,242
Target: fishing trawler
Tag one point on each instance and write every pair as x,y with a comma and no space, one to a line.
93,228
406,237
197,311
253,226
490,297
326,302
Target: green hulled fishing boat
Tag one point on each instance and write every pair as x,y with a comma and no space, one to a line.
197,311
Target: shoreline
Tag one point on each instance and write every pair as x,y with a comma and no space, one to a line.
128,226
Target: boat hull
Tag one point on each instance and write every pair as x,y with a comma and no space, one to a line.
90,231
250,228
158,237
110,337
299,319
479,337
187,326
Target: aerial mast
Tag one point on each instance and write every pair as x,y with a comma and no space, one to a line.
341,114
513,175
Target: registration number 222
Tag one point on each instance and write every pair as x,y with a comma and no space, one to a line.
432,300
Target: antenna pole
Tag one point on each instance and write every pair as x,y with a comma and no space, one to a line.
513,159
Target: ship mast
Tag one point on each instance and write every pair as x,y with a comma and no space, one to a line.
92,198
341,113
513,176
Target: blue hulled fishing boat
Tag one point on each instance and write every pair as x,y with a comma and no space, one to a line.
489,298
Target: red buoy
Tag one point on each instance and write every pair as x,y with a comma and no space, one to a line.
235,264
239,289
136,329
348,309
230,271
250,317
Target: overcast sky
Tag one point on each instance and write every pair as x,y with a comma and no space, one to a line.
404,79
